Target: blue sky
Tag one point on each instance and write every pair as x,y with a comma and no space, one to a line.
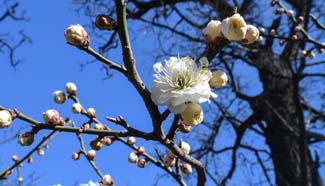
48,64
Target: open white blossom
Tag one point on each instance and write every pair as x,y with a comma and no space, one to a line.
234,28
180,81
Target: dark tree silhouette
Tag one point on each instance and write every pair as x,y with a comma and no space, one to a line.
276,114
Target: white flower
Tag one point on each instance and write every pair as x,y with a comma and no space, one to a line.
234,28
193,114
5,118
219,79
76,35
213,31
251,35
178,82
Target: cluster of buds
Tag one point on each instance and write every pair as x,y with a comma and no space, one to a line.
5,118
170,157
52,117
134,157
233,28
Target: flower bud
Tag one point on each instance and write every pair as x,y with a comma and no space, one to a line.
14,158
5,118
141,150
186,148
107,180
301,19
168,161
76,108
26,138
131,140
212,31
142,163
107,141
99,126
91,154
186,168
234,28
184,128
311,55
105,22
218,79
262,30
193,114
272,32
251,35
52,117
75,156
294,37
40,152
303,53
59,97
96,144
30,160
133,157
71,88
91,112
20,179
290,13
76,35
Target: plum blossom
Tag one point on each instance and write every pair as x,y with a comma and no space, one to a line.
180,81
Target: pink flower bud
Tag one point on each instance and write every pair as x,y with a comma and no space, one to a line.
76,35
76,108
91,154
75,156
186,168
107,180
71,88
26,138
141,150
142,163
5,118
52,117
131,140
133,157
105,22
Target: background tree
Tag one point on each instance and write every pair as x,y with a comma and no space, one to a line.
279,109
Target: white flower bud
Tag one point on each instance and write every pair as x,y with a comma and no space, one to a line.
142,163
186,148
141,150
186,168
26,138
91,112
218,79
133,157
96,144
76,108
251,35
168,161
76,35
40,152
59,97
91,154
75,156
131,140
107,141
193,114
107,180
290,13
99,126
15,158
71,88
234,28
212,31
52,117
5,118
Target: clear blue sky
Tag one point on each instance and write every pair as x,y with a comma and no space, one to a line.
48,64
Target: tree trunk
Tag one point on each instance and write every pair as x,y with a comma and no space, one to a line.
285,131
